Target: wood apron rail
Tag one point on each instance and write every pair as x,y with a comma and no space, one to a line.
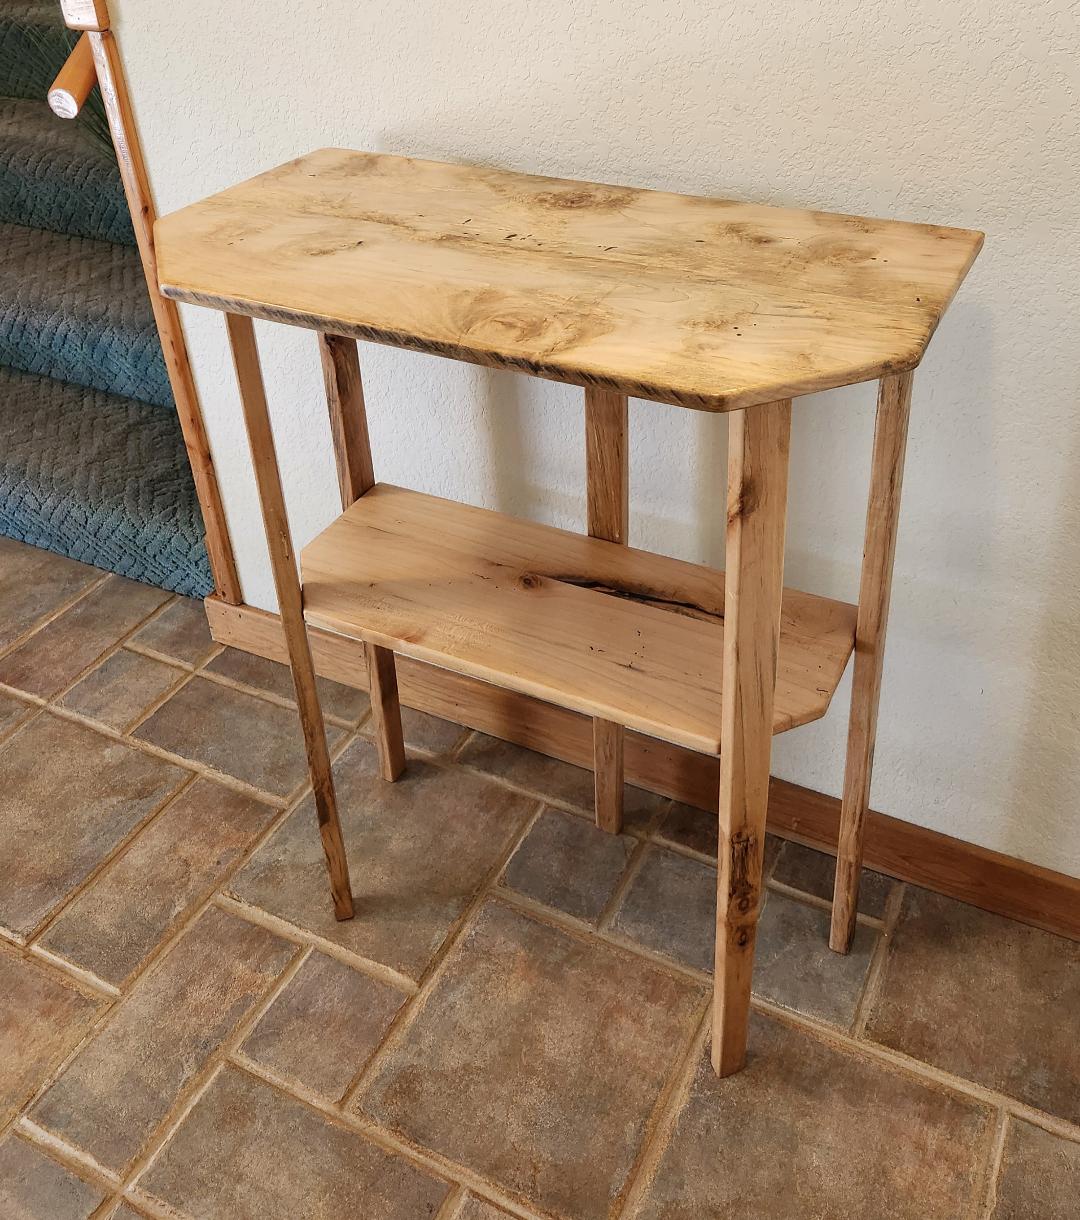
700,303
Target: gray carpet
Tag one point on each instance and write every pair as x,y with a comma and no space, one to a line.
99,478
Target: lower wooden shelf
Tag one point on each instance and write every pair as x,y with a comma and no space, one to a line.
603,629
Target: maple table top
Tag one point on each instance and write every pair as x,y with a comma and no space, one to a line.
700,302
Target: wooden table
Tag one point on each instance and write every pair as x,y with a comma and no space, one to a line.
702,303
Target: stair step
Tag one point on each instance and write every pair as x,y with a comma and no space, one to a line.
34,43
101,479
52,176
78,310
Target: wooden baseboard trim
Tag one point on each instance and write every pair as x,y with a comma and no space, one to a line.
960,870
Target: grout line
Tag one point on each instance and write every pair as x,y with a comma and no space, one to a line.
65,1153
633,867
452,1204
115,646
993,1169
301,936
177,760
151,1206
119,849
875,975
666,1115
168,1127
467,736
52,615
101,987
267,696
186,1099
108,1207
157,704
408,1012
822,904
153,654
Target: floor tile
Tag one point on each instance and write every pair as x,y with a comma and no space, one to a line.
114,925
794,966
68,797
121,688
181,632
537,1060
1040,1176
670,908
35,1187
812,872
568,863
554,780
120,1086
419,850
345,702
35,584
248,1152
42,1019
695,829
237,734
324,1026
986,998
55,656
808,1131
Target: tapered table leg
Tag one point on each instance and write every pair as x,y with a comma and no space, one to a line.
759,440
356,475
290,603
608,494
879,549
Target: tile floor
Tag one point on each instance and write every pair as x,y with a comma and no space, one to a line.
515,1022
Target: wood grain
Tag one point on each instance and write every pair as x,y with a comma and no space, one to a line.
607,465
758,448
600,628
356,475
705,303
386,712
125,136
279,544
879,549
85,14
74,81
348,416
608,774
607,478
987,879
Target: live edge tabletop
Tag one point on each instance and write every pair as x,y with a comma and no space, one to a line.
701,303
698,302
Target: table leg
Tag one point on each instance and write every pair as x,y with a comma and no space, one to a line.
608,483
759,440
356,475
879,548
290,603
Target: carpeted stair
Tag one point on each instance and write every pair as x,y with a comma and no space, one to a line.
92,461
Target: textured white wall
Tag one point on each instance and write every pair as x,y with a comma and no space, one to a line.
963,114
